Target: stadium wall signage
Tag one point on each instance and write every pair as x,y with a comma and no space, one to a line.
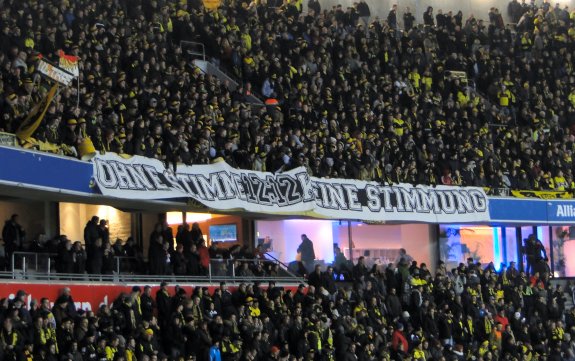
222,187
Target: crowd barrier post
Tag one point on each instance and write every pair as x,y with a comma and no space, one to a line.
210,271
49,268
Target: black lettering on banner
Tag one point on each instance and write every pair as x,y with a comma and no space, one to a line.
398,199
351,192
373,198
250,190
211,186
140,178
228,184
257,186
124,179
240,187
478,199
447,201
410,199
155,177
308,188
429,201
387,193
184,181
195,185
464,203
319,194
105,174
287,186
283,190
268,195
336,198
173,181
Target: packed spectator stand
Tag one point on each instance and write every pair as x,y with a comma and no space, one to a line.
454,100
346,95
402,312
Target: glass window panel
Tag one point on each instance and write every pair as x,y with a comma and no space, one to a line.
563,245
511,246
459,242
542,235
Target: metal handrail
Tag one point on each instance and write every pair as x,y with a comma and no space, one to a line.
131,278
118,276
24,262
232,262
285,266
187,43
119,258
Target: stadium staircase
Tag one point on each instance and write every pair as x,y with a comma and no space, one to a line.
196,55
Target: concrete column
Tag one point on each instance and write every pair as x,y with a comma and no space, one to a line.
51,218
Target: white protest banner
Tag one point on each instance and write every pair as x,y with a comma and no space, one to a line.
54,73
222,187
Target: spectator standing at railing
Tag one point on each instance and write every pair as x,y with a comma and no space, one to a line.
196,234
104,231
184,236
108,260
168,235
193,261
179,261
156,254
65,257
134,251
79,258
204,258
95,257
13,235
91,234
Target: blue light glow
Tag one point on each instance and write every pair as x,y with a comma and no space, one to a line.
496,249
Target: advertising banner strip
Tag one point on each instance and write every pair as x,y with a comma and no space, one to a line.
221,187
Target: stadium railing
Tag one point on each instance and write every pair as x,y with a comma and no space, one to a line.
40,267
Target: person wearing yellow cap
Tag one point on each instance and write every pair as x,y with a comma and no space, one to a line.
14,110
69,136
146,345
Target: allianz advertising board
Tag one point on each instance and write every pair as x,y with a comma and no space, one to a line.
561,211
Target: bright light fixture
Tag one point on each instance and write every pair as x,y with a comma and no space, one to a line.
175,218
197,217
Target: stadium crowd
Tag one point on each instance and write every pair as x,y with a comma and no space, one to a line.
398,312
402,312
346,94
184,253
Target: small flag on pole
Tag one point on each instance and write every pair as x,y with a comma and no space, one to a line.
69,63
